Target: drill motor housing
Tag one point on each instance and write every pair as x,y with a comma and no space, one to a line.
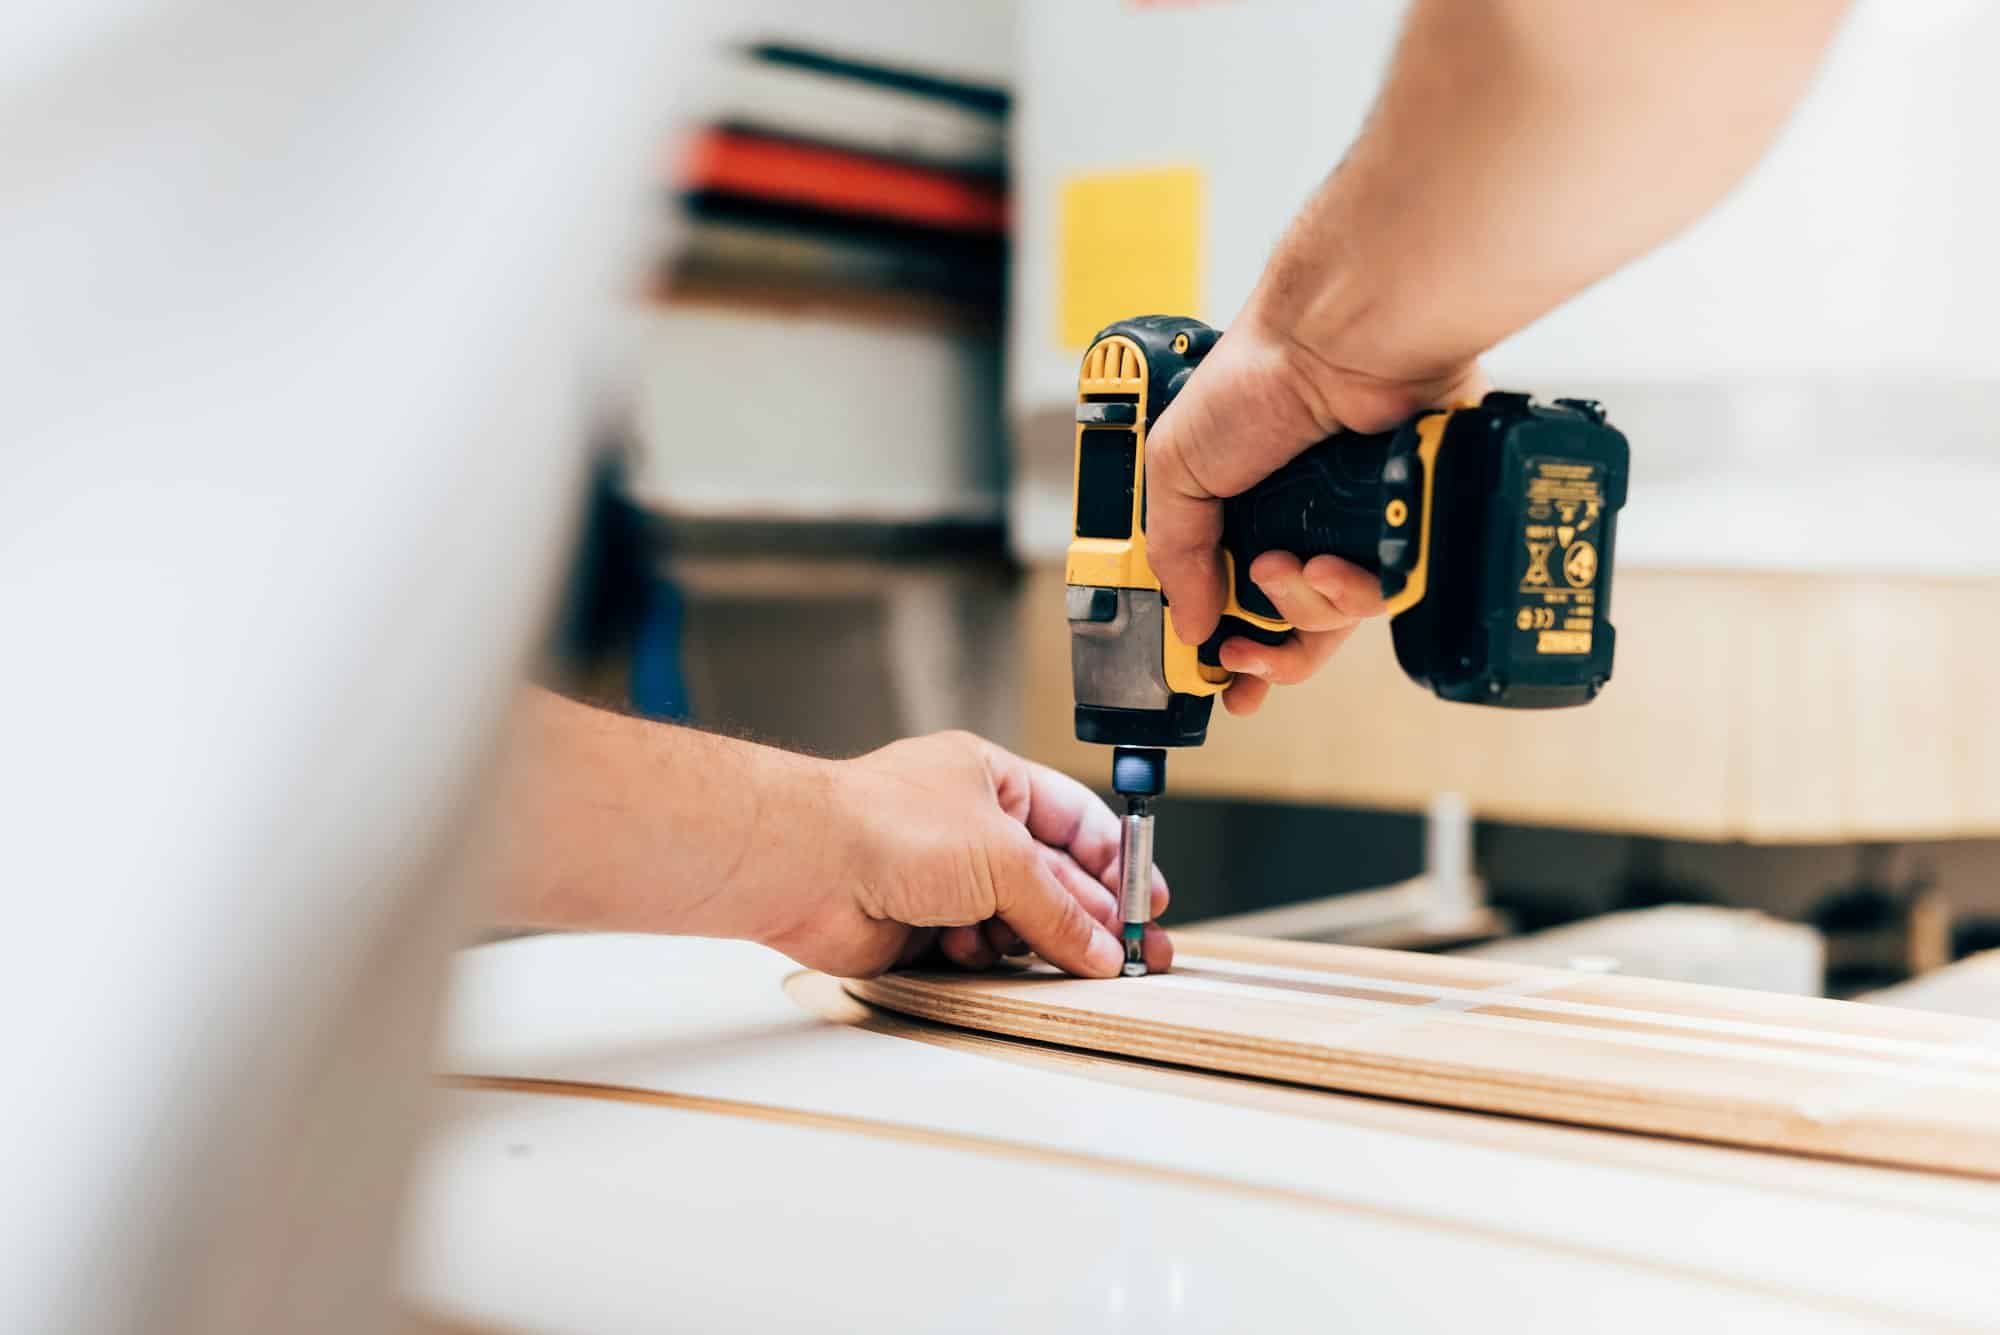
1491,527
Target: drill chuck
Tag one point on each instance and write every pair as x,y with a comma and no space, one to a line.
1138,774
1135,880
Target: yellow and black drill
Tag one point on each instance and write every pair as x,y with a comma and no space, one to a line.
1491,526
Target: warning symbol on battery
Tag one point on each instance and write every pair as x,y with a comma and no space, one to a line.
1538,563
1580,564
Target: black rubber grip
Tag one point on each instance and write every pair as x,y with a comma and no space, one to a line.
1327,501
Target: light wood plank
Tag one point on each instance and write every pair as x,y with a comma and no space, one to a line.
1772,708
1683,1159
1796,1074
1970,987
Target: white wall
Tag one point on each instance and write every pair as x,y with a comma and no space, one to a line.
1864,242
971,39
1831,320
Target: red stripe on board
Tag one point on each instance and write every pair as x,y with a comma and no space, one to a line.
828,178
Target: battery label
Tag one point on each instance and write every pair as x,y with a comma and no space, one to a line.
1555,586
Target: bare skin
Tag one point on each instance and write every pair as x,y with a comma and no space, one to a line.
945,846
1520,151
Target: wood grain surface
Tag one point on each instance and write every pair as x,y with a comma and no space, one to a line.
1797,1074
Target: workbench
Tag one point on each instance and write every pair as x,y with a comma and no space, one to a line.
646,1132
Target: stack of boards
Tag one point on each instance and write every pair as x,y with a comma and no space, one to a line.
1801,1075
831,172
823,344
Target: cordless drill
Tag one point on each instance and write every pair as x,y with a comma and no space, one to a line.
1490,526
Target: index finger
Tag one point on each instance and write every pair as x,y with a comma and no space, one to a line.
1032,901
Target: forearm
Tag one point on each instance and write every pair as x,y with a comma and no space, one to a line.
1521,150
622,824
945,844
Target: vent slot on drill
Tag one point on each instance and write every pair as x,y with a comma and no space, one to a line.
1107,465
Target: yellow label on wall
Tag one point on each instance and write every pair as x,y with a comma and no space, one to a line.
1129,244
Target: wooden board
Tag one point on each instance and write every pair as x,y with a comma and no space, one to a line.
1763,707
1797,1074
1971,987
1682,1160
681,1084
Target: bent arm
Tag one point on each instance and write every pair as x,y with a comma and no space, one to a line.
1521,150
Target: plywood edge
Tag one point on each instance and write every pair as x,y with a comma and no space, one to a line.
1702,1063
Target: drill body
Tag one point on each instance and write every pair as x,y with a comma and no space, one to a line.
1491,527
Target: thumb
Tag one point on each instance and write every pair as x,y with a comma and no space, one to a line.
1242,414
1029,899
1183,532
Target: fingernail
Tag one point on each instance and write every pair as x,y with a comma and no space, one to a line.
1105,956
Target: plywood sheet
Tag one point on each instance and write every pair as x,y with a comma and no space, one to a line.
1796,1074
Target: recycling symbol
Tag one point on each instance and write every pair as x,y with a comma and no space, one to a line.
1580,565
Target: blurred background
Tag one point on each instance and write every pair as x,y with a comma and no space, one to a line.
832,508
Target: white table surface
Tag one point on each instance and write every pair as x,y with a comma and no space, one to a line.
1078,1203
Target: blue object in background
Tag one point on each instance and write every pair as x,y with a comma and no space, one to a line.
659,686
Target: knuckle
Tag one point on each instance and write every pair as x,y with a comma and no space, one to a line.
967,755
1073,928
1016,871
985,883
1289,666
1305,613
1272,565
